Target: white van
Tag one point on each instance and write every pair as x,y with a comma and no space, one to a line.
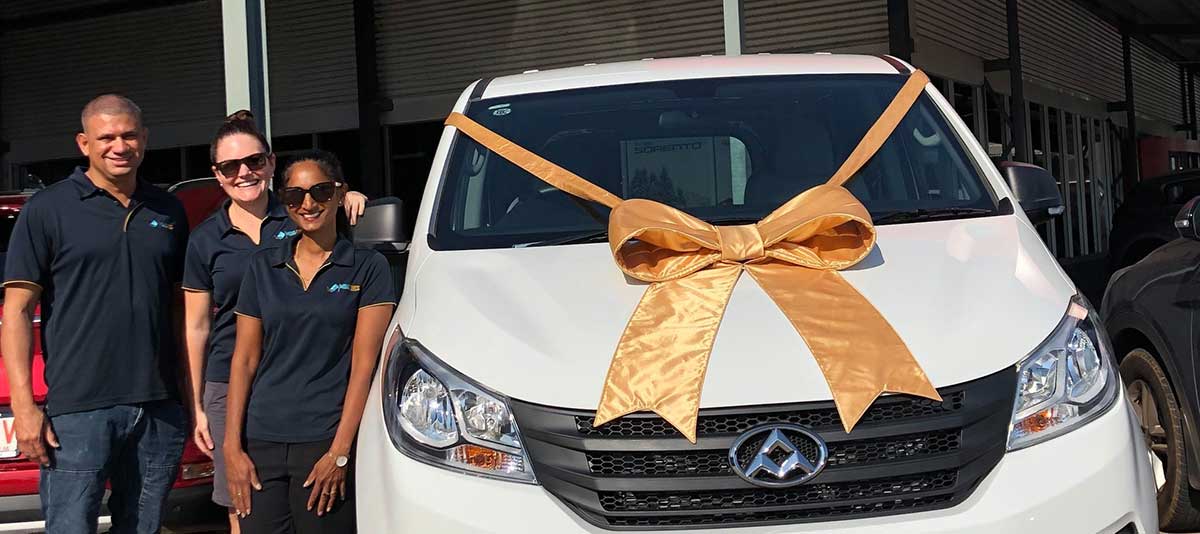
481,419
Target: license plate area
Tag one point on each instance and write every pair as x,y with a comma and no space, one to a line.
8,437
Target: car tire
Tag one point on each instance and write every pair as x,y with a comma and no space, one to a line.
1161,419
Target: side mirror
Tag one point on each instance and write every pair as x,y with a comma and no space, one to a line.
1034,189
1185,221
382,225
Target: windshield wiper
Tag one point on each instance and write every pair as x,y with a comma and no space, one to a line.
932,214
594,236
731,221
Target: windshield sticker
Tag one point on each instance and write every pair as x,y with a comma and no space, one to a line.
500,110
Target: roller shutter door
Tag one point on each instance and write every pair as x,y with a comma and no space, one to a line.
15,9
174,72
814,26
310,54
1063,46
429,50
1066,47
1196,99
973,26
1156,90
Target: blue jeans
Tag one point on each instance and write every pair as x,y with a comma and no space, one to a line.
136,448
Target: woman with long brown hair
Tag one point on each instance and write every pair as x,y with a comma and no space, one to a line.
219,248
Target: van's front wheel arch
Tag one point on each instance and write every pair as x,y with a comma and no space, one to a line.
1161,419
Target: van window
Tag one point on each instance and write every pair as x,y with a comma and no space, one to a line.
719,149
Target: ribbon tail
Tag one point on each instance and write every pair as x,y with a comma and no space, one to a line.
858,351
661,360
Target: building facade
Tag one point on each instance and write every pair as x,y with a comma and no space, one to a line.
372,80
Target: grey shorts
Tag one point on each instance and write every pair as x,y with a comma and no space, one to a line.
214,408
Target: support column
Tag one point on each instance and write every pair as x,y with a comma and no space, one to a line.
1016,77
243,29
370,129
900,42
733,27
1131,160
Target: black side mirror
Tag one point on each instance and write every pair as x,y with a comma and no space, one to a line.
1034,189
1185,221
382,225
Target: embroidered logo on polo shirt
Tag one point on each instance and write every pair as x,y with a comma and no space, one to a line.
286,234
344,287
165,225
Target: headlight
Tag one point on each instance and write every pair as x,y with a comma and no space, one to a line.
439,417
1066,382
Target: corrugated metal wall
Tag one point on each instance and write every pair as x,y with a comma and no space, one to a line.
25,8
310,54
174,71
1064,46
973,26
1155,85
434,48
812,26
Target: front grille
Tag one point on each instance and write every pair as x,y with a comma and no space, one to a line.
710,463
738,423
898,506
906,455
633,501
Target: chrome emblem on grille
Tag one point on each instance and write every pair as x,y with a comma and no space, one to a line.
778,455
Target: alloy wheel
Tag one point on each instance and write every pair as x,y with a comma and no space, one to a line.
1152,430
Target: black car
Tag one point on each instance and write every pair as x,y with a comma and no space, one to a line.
1143,222
1152,313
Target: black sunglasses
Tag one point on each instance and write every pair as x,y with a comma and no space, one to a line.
322,192
230,167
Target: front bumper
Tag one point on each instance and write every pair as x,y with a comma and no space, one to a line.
188,509
1095,479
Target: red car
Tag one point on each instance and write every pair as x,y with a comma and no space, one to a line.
190,501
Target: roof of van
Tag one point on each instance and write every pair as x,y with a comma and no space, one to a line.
653,70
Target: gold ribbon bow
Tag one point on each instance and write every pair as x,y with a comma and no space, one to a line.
794,254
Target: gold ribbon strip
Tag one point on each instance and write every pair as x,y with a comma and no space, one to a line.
794,254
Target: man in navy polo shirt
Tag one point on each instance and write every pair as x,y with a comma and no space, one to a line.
102,251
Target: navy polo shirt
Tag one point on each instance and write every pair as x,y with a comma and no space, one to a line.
108,275
217,256
297,393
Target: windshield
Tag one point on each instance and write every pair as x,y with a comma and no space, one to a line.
725,150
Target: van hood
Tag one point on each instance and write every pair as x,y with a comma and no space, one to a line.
969,297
